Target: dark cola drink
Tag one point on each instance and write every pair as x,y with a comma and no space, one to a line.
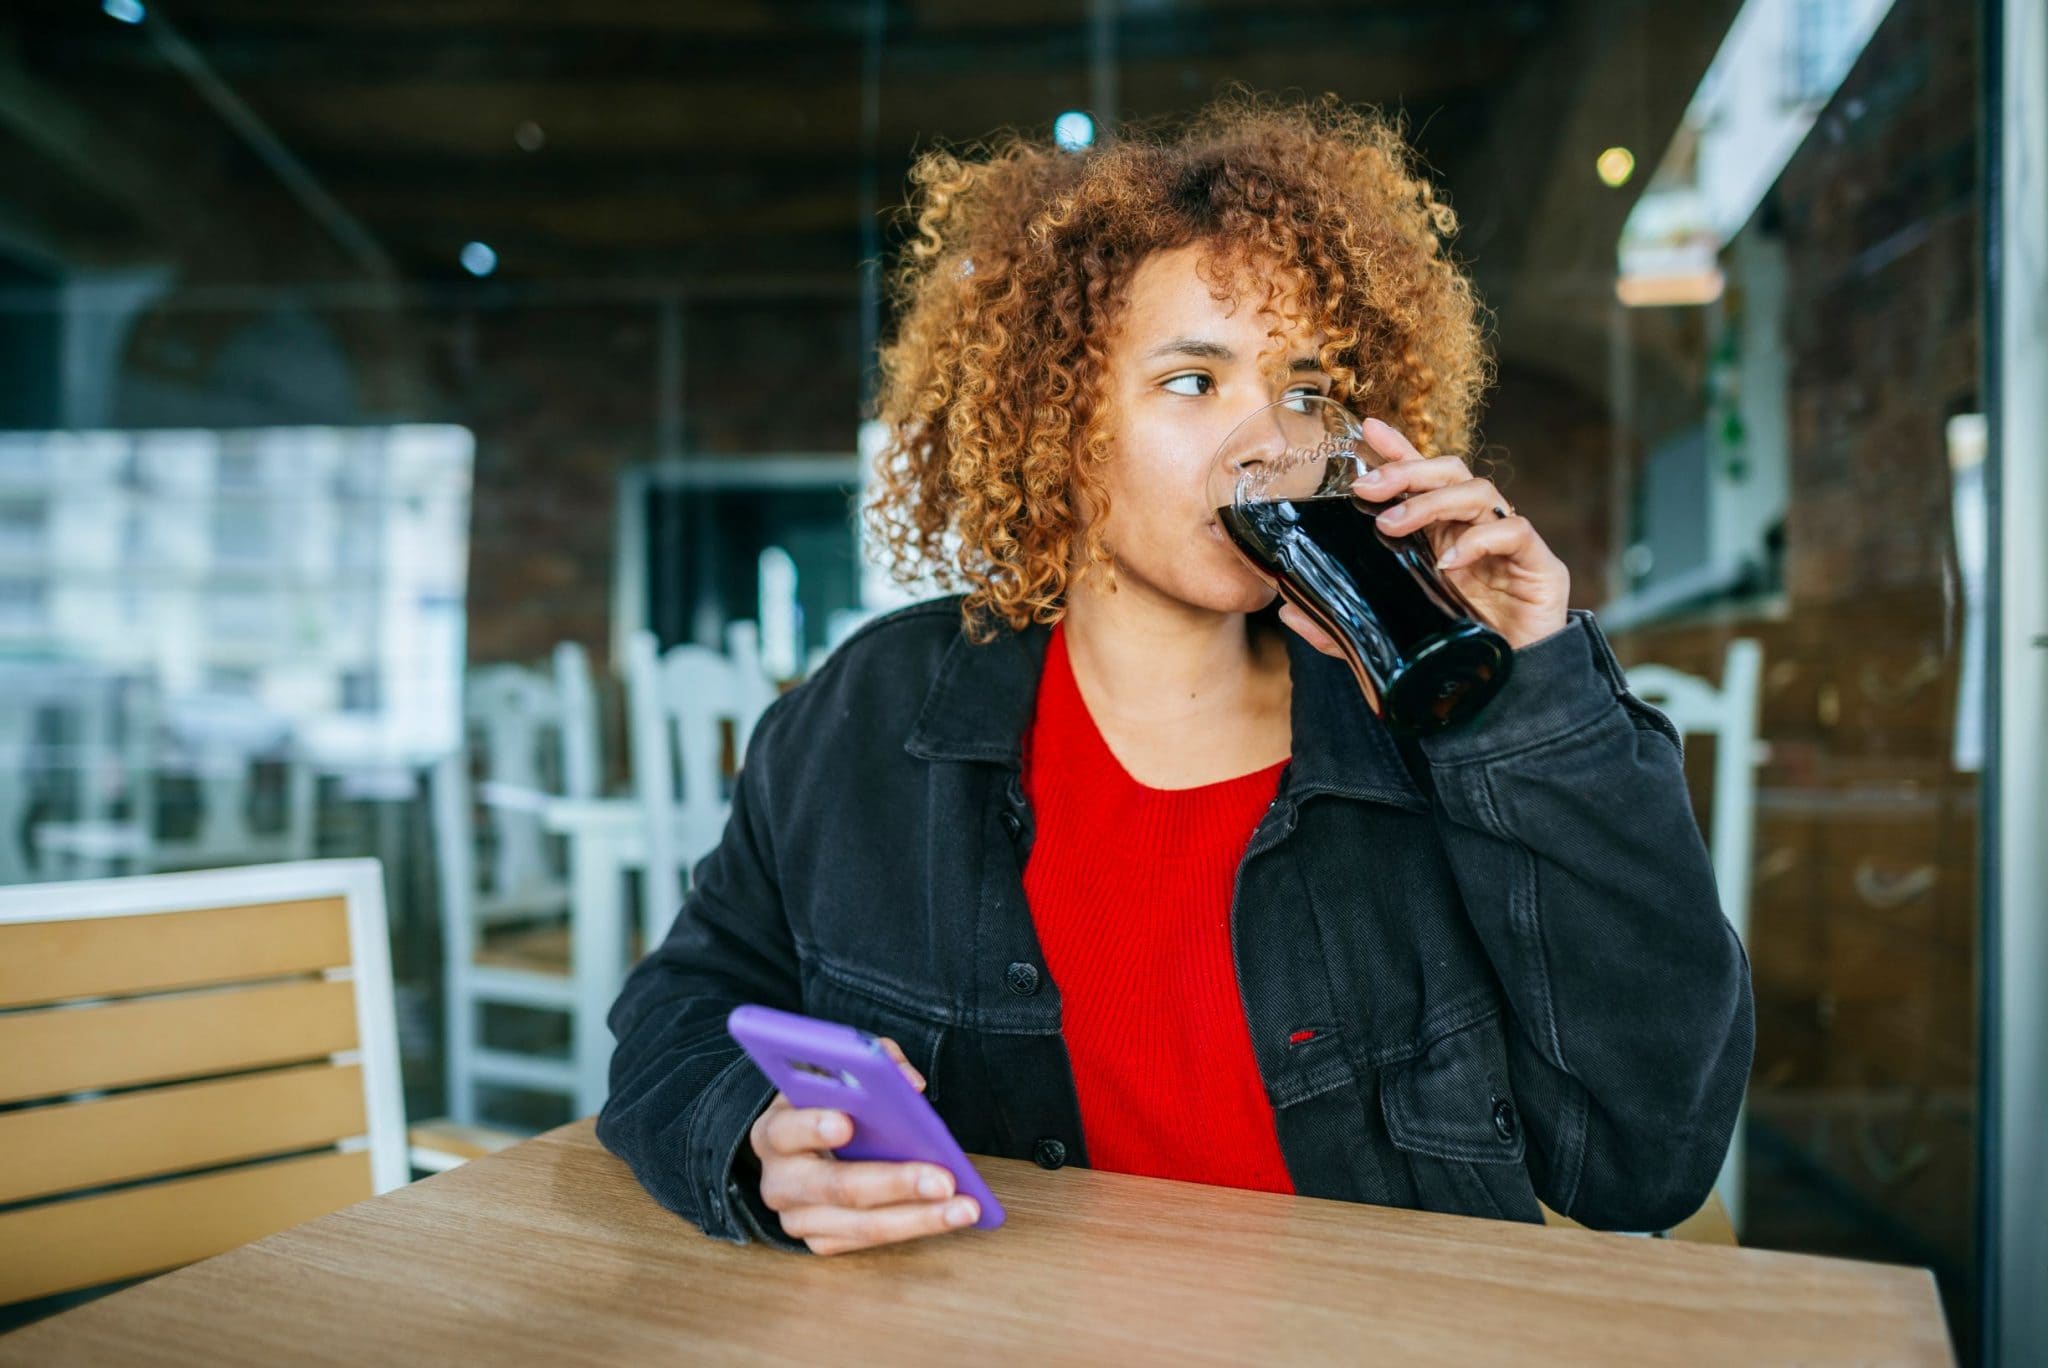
1413,643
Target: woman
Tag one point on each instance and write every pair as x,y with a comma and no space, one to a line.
1121,857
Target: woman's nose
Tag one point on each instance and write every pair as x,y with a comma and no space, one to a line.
1259,440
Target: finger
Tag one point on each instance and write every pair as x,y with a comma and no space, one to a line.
1466,501
895,1052
838,1229
802,1130
1389,441
1305,626
1505,538
1409,476
811,1180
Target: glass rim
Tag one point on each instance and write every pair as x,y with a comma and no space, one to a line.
1357,423
1347,445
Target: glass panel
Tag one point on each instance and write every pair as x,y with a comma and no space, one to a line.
348,352
1835,444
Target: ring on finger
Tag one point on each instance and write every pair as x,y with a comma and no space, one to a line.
1501,510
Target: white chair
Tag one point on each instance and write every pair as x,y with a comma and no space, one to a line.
678,709
781,614
535,744
682,708
189,1062
1729,715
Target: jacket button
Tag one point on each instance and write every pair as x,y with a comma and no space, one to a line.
1022,978
1050,1154
1505,1123
1013,825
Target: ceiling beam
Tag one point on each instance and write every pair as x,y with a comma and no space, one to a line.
286,45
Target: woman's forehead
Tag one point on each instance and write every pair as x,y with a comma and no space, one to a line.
1191,293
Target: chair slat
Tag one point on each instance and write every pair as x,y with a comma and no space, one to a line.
46,961
57,1050
76,1145
62,1246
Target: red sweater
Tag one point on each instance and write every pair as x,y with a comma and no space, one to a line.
1130,890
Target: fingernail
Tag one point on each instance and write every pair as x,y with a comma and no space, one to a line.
1371,477
1388,517
961,1212
933,1186
1376,423
1447,559
830,1128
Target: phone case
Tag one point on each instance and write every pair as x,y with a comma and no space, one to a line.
824,1064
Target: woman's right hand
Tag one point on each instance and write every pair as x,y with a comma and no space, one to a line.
836,1206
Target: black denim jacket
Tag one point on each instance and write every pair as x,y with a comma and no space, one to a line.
1505,940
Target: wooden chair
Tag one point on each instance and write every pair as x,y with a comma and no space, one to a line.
1729,715
189,1062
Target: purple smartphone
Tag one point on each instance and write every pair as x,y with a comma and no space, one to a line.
824,1064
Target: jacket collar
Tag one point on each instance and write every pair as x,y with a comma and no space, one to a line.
981,702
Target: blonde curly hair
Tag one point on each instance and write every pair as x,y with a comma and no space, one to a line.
992,391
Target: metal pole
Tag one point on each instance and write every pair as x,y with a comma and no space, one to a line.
1102,91
2015,1174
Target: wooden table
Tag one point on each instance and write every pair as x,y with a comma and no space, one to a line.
550,1252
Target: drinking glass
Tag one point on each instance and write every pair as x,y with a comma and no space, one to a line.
1281,486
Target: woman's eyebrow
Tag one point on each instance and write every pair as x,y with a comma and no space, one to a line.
1216,351
1192,346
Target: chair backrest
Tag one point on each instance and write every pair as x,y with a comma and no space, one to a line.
1729,715
535,738
680,706
189,1062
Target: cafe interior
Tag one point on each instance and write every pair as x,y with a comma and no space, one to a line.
432,434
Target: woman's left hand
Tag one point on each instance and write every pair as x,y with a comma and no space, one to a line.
1485,550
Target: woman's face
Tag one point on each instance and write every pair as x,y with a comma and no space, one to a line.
1184,368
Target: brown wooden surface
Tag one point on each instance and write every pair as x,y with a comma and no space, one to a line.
53,1050
549,1252
61,1246
115,956
168,1130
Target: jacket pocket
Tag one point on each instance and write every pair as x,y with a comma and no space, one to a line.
834,994
1450,1111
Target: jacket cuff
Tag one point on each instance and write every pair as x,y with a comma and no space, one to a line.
1566,681
732,1200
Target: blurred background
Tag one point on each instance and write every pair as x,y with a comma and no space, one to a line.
378,377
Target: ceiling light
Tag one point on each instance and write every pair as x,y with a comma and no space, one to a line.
127,11
478,259
1615,166
1073,131
1669,291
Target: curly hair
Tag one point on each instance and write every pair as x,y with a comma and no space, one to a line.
992,390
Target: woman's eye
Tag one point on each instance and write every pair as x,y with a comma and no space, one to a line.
1201,384
1300,392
